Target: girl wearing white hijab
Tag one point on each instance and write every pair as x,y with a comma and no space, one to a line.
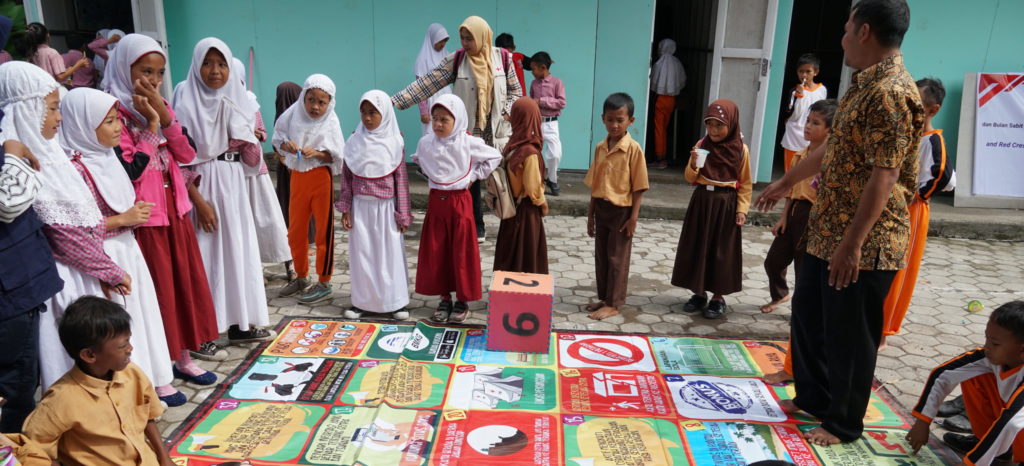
667,79
73,224
484,78
375,209
271,232
308,135
90,115
153,142
220,117
449,258
432,51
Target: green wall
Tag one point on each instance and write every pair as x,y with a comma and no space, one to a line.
948,38
363,44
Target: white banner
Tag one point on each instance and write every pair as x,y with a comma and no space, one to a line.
999,136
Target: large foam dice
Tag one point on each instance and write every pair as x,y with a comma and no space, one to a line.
519,309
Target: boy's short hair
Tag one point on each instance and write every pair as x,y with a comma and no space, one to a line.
826,108
932,91
809,59
1011,317
542,58
89,322
889,20
617,101
505,40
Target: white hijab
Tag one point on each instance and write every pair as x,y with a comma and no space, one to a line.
63,198
84,110
428,59
448,160
375,153
323,132
238,70
213,116
667,76
117,76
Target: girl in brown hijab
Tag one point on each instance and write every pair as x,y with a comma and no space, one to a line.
710,256
521,245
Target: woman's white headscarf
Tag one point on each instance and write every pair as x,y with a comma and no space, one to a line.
375,153
83,110
117,76
448,160
428,59
214,116
324,132
63,197
667,76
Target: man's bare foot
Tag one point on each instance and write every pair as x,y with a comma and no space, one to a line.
788,406
820,436
777,378
594,306
883,344
767,308
604,313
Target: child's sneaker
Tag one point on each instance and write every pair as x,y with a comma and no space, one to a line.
210,351
553,187
695,304
353,313
715,309
951,407
400,314
294,286
318,293
960,443
236,335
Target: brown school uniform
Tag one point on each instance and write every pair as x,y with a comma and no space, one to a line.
87,421
521,245
788,246
613,177
710,253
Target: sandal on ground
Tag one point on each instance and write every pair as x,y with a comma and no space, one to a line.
353,313
460,313
444,310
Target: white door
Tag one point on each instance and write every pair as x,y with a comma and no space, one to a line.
740,65
148,19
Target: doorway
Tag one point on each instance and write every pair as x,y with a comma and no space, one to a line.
71,19
816,27
691,25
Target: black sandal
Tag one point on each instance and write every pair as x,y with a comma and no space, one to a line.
460,313
444,310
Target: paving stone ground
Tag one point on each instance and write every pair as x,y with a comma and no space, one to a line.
937,327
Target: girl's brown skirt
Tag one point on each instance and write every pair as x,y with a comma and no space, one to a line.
521,245
710,254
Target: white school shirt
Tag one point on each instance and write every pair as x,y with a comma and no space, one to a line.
793,139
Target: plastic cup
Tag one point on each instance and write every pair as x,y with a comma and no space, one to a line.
702,156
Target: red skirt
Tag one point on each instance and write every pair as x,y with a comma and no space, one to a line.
186,305
449,258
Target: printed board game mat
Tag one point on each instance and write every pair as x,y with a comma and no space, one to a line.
418,394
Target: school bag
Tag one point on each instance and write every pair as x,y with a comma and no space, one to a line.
499,193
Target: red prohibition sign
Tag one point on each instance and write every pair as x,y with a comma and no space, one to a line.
614,359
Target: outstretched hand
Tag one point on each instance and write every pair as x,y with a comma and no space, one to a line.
771,196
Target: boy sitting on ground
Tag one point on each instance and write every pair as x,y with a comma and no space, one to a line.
990,379
102,410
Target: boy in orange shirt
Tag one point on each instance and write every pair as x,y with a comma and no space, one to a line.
102,410
617,179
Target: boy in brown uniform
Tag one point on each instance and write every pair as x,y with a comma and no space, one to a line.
617,179
102,410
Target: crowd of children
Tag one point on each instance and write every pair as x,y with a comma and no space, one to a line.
120,170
